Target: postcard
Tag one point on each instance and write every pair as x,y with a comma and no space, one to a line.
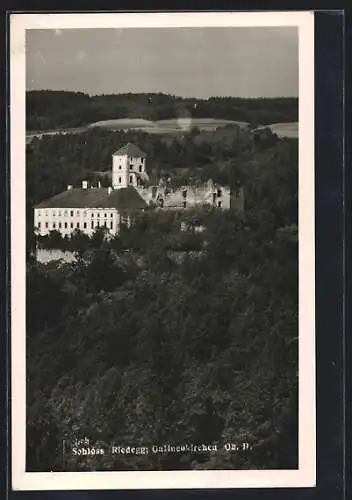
162,250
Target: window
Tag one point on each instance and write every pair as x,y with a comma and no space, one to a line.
39,225
77,212
98,214
65,212
77,225
119,167
71,213
184,204
131,178
92,215
54,225
60,225
184,193
46,225
120,180
219,204
219,193
98,224
131,166
111,225
39,214
84,225
105,215
85,213
66,225
142,160
92,224
140,168
105,224
71,225
111,215
54,214
59,213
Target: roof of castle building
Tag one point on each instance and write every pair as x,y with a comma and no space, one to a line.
131,150
123,199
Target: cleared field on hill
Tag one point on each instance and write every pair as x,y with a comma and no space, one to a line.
170,126
285,129
167,127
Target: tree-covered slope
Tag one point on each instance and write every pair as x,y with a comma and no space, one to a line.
139,348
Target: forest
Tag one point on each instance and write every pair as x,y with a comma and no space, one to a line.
52,110
166,337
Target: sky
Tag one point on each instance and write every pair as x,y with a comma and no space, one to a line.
187,62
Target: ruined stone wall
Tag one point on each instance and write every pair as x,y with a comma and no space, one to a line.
187,196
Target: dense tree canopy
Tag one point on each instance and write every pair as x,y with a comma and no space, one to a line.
167,336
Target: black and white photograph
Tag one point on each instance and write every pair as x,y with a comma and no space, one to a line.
162,250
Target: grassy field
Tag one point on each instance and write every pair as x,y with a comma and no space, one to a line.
164,126
285,129
170,127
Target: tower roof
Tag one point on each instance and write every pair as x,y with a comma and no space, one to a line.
130,150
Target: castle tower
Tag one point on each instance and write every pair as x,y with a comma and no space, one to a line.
128,167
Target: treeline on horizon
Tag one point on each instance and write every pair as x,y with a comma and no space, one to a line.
50,109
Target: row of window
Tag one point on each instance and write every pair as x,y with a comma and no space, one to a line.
132,159
184,204
71,213
131,179
218,193
140,168
66,225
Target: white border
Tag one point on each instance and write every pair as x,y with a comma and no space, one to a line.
305,476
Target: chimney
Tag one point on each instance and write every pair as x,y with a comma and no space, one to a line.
84,184
69,187
109,189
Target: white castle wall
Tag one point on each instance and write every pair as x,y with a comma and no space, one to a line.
67,220
44,256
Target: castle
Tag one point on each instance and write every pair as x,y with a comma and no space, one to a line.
88,208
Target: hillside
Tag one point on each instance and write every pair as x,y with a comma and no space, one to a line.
128,345
49,110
